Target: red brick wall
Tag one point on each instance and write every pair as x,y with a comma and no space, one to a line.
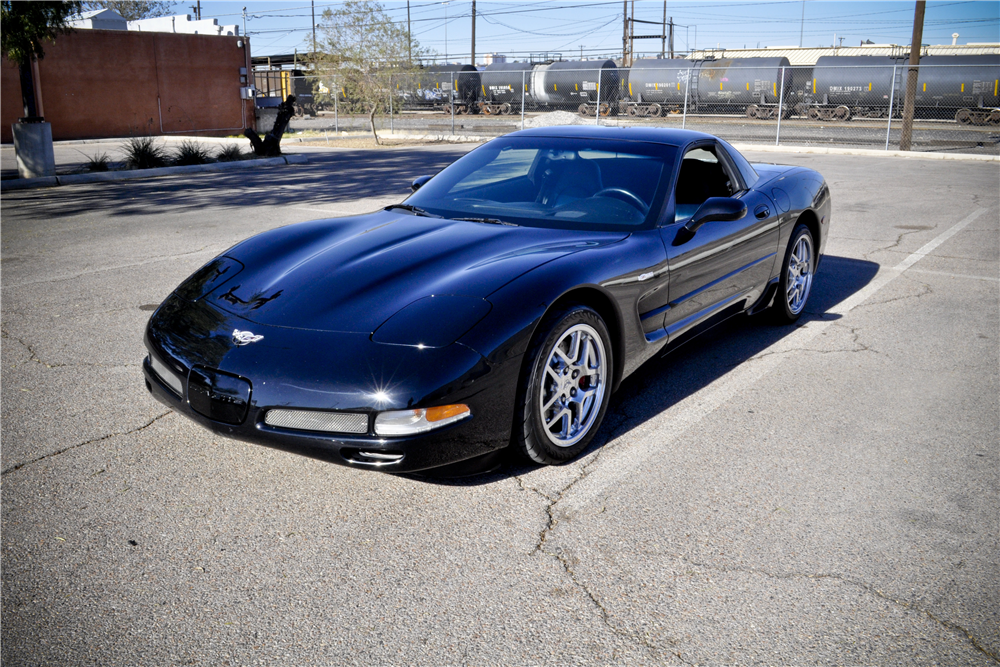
115,83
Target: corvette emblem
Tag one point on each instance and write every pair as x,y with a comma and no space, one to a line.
245,337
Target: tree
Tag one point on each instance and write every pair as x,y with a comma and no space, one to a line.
23,28
364,52
25,25
133,10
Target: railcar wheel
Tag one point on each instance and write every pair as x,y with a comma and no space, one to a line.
842,113
796,276
813,113
994,117
567,387
964,116
752,111
655,110
633,111
583,110
605,109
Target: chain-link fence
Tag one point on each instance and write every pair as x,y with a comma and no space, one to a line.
855,102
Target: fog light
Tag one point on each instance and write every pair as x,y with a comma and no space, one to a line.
410,422
168,377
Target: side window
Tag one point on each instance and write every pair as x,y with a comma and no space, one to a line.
746,170
702,176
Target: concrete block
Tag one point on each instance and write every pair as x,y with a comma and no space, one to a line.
33,146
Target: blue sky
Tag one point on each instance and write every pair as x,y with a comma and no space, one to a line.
518,29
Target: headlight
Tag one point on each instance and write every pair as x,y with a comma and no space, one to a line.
411,422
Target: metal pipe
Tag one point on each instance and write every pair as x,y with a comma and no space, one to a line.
892,96
781,100
597,116
687,83
524,88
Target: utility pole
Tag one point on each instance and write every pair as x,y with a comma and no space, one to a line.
671,37
802,26
473,63
631,40
663,42
911,77
313,3
624,33
409,39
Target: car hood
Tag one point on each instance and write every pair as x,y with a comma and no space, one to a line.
352,274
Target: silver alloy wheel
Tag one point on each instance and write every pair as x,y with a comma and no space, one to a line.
573,385
800,274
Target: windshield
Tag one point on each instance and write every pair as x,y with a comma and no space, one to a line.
565,183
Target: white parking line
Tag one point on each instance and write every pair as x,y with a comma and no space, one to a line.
650,439
964,276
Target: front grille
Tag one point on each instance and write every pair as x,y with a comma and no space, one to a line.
313,420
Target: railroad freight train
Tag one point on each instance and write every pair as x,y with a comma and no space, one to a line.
965,88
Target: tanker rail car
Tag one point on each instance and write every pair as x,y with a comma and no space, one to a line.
963,88
582,85
756,87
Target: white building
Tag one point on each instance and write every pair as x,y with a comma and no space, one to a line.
182,23
108,19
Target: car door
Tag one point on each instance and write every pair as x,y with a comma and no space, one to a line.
724,263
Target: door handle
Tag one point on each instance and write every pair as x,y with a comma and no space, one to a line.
762,212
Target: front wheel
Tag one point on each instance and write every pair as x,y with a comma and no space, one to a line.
567,386
797,271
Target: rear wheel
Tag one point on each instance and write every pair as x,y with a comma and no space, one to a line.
567,386
796,276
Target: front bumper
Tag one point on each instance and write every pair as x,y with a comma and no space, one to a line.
335,372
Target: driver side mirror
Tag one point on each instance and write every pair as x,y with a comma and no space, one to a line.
418,182
713,209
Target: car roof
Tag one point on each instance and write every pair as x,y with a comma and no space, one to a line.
656,135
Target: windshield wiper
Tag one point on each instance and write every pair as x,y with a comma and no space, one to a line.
489,221
416,210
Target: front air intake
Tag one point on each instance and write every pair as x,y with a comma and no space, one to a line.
316,420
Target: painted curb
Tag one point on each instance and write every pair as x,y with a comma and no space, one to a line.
866,152
133,174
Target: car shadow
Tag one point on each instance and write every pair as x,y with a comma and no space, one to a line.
668,379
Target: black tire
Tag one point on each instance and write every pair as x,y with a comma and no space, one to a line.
797,270
564,429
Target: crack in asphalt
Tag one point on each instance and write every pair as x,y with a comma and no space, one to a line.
856,340
926,289
31,351
119,267
152,421
950,625
565,563
35,358
894,244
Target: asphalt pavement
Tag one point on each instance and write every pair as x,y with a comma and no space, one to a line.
825,493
